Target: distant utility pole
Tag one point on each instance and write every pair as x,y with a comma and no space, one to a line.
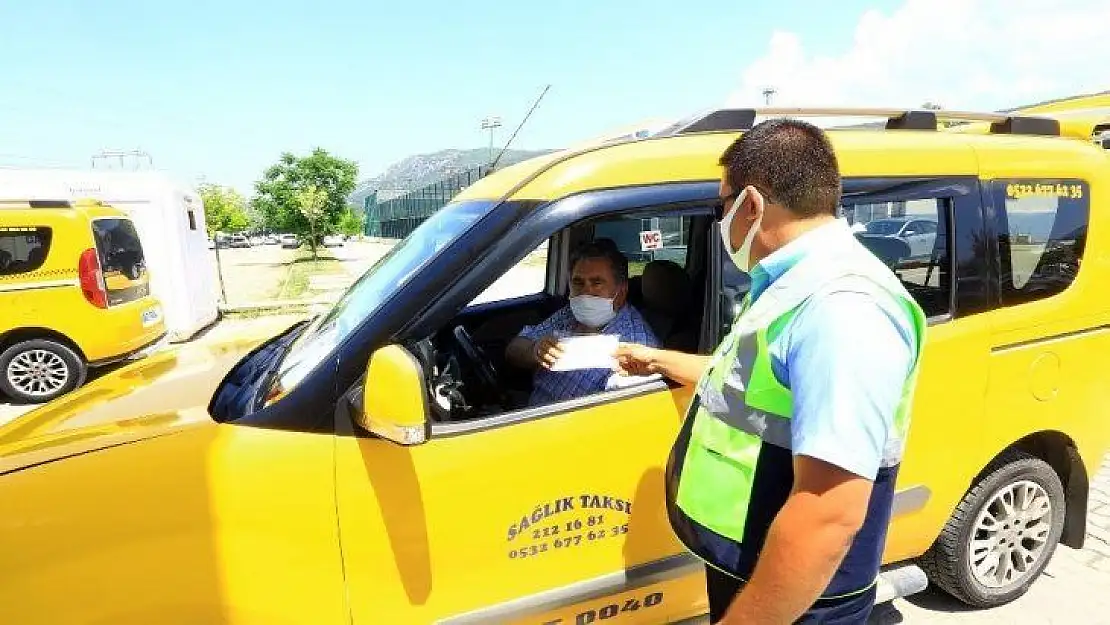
104,155
768,93
490,124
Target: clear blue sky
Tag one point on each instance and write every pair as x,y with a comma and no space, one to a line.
220,89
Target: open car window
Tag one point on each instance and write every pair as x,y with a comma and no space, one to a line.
672,306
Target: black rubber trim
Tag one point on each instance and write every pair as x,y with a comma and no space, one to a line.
1052,337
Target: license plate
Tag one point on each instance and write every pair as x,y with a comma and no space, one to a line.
151,316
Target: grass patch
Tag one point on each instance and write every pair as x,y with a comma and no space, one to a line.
259,313
301,268
534,260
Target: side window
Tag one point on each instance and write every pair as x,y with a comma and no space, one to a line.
912,237
23,250
1042,231
528,277
922,260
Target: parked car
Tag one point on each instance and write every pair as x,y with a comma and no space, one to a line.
290,241
919,234
74,295
380,462
333,240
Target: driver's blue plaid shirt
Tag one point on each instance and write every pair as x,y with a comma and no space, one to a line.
553,386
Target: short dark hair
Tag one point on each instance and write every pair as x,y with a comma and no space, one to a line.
603,248
790,160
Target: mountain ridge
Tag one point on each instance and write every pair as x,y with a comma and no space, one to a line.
419,170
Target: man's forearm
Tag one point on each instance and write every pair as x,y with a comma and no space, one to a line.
520,352
798,560
678,366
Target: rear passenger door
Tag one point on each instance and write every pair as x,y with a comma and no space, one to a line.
950,280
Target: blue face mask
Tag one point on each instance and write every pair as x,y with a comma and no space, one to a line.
592,311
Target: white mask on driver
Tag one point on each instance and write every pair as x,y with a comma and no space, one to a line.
742,257
592,311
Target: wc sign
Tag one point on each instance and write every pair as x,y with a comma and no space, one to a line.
651,240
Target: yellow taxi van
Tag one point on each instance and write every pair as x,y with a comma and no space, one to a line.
74,294
380,462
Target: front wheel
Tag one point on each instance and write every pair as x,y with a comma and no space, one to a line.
1002,534
39,370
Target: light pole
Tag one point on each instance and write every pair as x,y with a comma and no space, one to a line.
768,93
490,124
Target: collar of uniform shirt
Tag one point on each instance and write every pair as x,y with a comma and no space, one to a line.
778,262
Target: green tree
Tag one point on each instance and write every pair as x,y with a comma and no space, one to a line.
224,209
277,200
352,222
312,204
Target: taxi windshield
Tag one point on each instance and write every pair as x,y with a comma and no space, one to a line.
370,291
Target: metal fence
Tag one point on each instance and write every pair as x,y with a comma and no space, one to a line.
395,218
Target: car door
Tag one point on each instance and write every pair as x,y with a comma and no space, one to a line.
541,516
546,514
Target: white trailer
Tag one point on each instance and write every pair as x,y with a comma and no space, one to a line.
169,217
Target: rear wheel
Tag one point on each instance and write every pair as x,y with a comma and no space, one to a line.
40,370
1002,534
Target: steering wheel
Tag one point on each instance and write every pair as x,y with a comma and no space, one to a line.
477,357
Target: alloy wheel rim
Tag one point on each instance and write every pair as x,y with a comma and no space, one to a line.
37,372
1010,535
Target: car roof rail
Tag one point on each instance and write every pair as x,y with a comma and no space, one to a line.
24,204
740,119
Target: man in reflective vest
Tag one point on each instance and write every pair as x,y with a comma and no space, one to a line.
782,475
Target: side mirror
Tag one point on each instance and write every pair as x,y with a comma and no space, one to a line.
394,397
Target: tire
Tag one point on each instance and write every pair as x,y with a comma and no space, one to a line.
948,563
68,367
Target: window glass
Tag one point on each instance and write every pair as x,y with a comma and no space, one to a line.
119,247
644,239
1042,231
736,285
912,237
23,250
375,286
121,260
528,277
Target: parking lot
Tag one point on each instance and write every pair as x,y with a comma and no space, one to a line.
256,274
